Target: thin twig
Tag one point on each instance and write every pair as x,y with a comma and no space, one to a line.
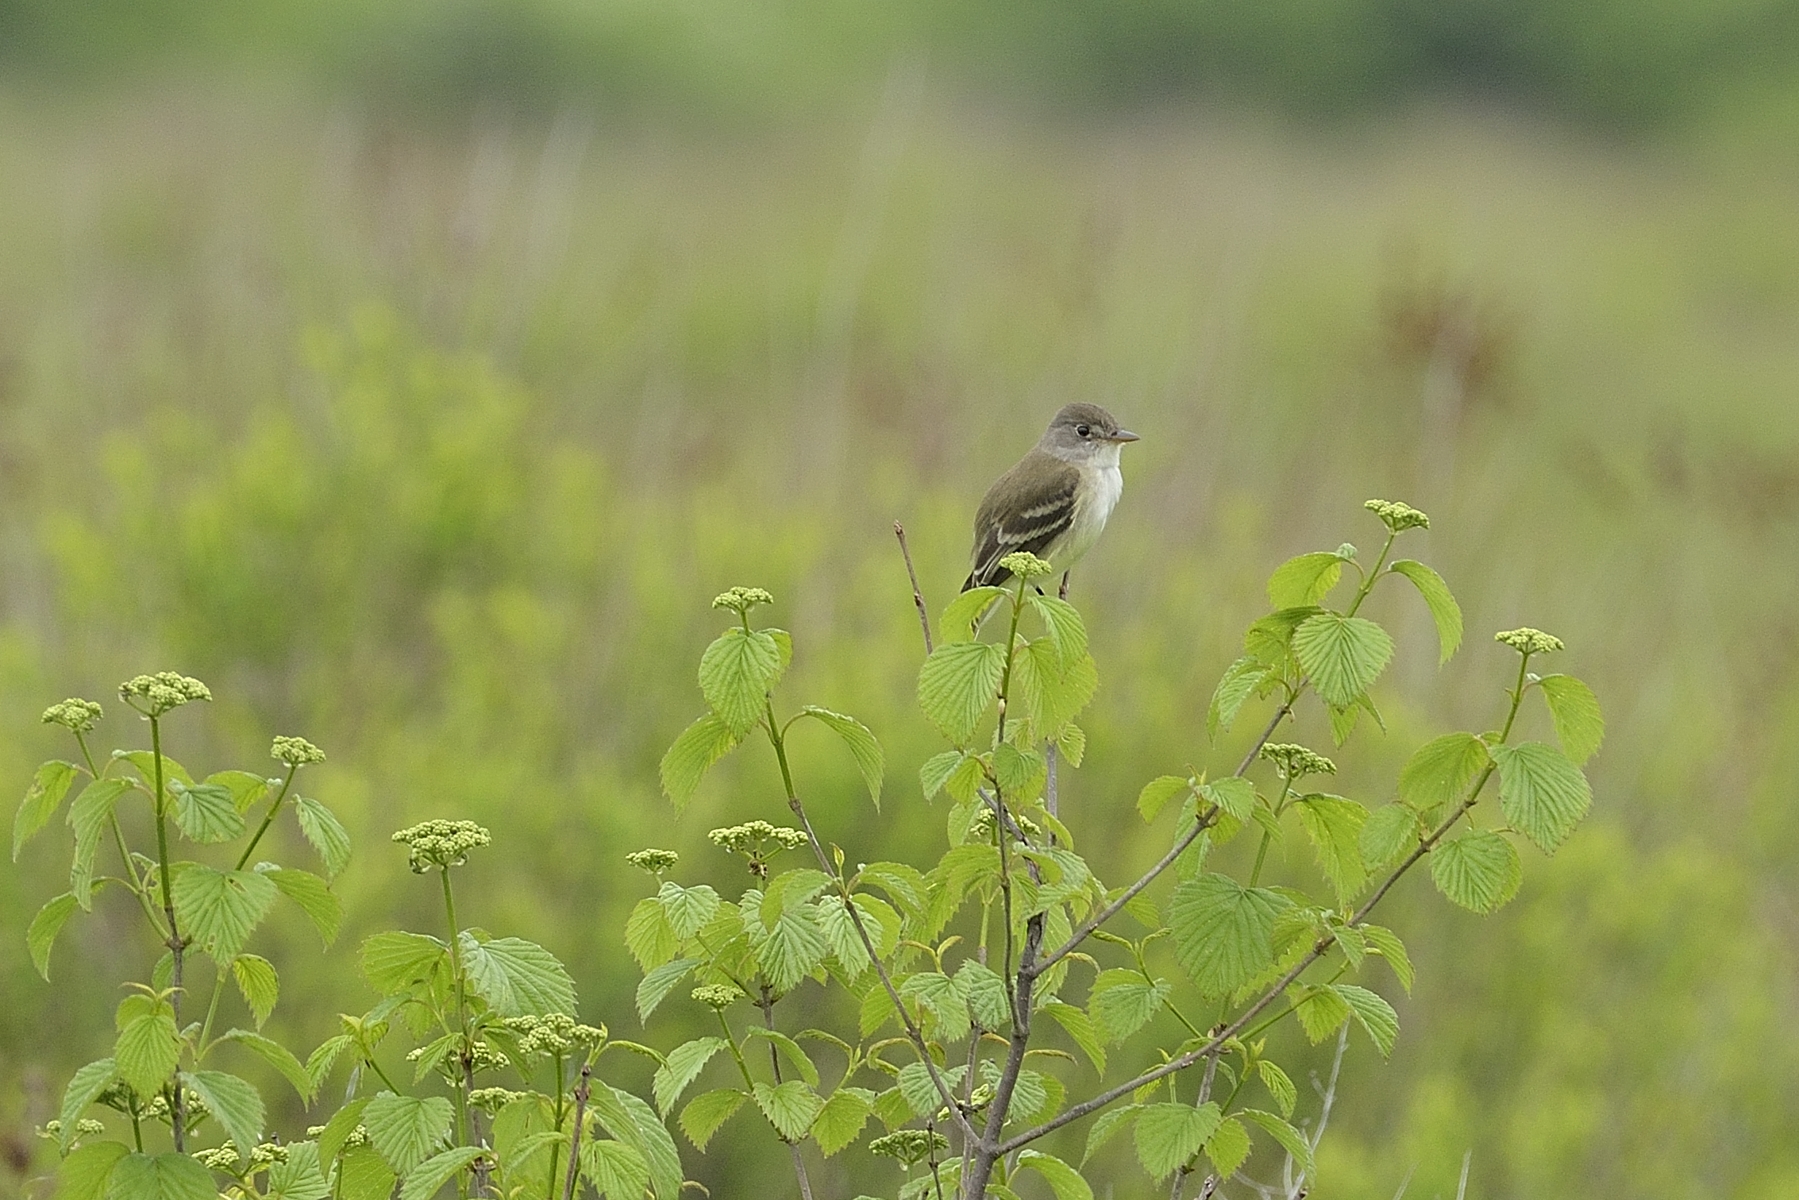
1461,1189
582,1091
1327,1095
924,615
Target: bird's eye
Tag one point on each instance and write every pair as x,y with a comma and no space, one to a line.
1084,430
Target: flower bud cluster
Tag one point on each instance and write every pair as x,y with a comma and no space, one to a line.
156,694
296,751
1026,565
1397,516
441,843
716,995
221,1158
1295,761
493,1099
358,1136
1529,641
753,836
552,1033
909,1146
741,599
86,1127
982,824
653,861
266,1153
74,714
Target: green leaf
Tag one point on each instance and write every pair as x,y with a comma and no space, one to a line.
406,1130
326,833
1239,683
960,618
207,814
314,898
423,1180
1234,795
299,1177
937,770
245,788
84,1086
635,1123
1543,794
1122,1002
940,997
1373,1014
1168,1135
148,1048
1321,1013
1270,639
1334,824
363,1176
1304,580
790,1107
790,949
170,1176
1063,1180
648,935
1386,943
682,1067
958,683
616,1171
902,881
915,1084
235,1103
1479,870
985,993
1108,1125
707,1111
1441,770
841,1119
1342,656
1279,1085
1047,691
338,1129
736,672
1067,632
863,746
700,745
1290,1139
257,981
790,890
277,1056
89,817
1390,830
1579,725
1223,931
516,977
48,787
659,982
1081,1031
41,935
83,1175
1443,609
220,909
396,961
1020,773
1227,1147
687,910
1158,792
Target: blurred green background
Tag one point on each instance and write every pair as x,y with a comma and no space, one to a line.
414,373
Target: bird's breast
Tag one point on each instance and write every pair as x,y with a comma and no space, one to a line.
1093,505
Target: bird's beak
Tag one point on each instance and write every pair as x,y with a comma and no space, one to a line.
1124,435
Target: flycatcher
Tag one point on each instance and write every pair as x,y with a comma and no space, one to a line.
1055,502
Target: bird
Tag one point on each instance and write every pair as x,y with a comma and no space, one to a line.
1054,502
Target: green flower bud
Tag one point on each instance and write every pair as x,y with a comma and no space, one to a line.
716,995
296,751
1295,761
653,861
909,1146
493,1099
741,599
224,1158
1397,516
441,843
156,694
1026,565
1529,641
74,714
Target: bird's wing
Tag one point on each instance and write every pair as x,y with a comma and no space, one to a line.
1026,510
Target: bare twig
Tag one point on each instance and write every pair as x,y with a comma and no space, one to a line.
583,1090
924,615
1461,1188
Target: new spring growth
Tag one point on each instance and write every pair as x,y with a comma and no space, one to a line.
74,714
1397,516
359,1136
1529,641
552,1034
491,1100
296,751
441,843
741,599
653,861
757,841
156,694
1293,761
1025,565
716,995
909,1146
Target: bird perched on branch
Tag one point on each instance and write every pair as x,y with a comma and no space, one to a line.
1055,501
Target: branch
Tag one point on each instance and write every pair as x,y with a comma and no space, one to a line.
924,616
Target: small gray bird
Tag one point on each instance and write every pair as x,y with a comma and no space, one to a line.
1055,502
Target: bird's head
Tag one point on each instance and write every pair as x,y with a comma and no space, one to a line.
1084,431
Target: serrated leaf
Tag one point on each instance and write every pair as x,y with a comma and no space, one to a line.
1072,743
1444,611
682,1066
1234,796
648,935
1390,830
789,1050
633,1122
789,949
790,1107
1122,1002
616,1171
1223,931
147,1048
1543,794
960,618
707,1111
1269,639
985,993
1081,1030
338,1129
245,788
220,909
1479,870
1441,770
84,1086
235,1103
1047,691
313,897
396,961
170,1176
1238,684
406,1130
1304,579
1579,725
1158,792
1321,1013
1019,773
1279,1085
862,746
1067,632
207,814
257,982
516,977
903,882
1342,656
1108,1125
692,754
1290,1139
48,786
790,890
841,1119
423,1181
1227,1147
84,1174
1334,825
939,996
277,1056
915,1084
89,817
958,683
1373,1014
1063,1180
1386,943
363,1176
1168,1135
937,770
41,935
659,982
320,826
736,672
